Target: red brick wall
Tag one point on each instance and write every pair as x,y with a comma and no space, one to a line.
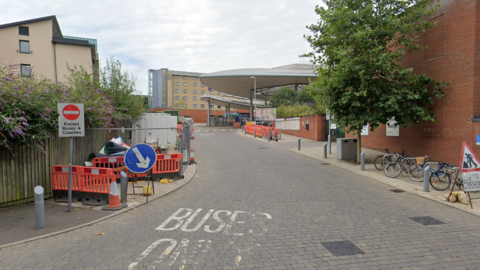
453,56
316,129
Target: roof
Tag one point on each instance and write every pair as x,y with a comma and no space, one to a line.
71,41
234,103
239,82
185,73
57,32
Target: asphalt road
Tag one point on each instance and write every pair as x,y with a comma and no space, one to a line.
254,206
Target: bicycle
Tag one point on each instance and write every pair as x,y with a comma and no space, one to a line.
401,164
380,160
442,178
274,135
415,172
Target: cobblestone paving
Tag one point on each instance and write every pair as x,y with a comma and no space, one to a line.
254,208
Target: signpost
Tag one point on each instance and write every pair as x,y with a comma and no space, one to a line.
71,123
140,158
470,169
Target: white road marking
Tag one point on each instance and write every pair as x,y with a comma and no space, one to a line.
220,221
190,219
147,251
178,219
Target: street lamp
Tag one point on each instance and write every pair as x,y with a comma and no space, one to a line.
254,93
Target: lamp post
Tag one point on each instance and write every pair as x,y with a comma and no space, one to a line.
254,93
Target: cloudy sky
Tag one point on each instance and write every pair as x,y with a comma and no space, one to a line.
195,35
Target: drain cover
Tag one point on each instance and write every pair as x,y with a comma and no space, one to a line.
426,220
397,190
325,163
342,248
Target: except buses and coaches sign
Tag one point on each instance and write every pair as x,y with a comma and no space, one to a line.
71,122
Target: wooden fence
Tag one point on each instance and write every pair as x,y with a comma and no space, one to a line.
24,167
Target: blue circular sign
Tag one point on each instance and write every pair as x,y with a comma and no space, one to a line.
140,158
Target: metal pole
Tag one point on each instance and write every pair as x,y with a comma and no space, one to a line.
329,144
208,112
325,150
251,106
70,176
123,185
255,133
363,161
255,93
299,143
426,177
39,208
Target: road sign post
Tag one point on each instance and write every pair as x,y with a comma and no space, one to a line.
71,123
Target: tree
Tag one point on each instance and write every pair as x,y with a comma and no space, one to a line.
359,45
285,96
182,104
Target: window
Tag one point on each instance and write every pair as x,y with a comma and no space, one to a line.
176,105
194,105
184,84
25,70
203,105
24,46
194,78
185,97
176,83
184,77
184,105
202,92
211,106
212,93
23,30
176,76
194,91
219,92
176,90
177,97
203,85
184,90
218,107
194,98
195,84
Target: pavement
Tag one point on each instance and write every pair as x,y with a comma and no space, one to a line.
18,222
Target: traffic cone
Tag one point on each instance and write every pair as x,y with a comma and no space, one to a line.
192,157
114,203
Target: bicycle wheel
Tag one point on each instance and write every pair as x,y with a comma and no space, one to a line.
415,172
380,161
392,169
278,135
440,181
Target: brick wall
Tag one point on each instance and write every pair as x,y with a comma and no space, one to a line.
453,56
316,129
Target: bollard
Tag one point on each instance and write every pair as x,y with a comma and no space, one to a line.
39,208
299,143
363,161
123,185
244,131
325,150
426,178
255,133
329,145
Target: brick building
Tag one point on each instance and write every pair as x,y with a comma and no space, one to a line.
453,55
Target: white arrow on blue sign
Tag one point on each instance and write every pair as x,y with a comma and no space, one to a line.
140,158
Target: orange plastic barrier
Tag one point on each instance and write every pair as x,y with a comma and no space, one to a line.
167,163
112,163
60,178
97,180
236,125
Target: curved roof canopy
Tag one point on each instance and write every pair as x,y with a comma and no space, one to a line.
234,103
239,82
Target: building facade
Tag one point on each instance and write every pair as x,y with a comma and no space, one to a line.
38,47
453,56
180,90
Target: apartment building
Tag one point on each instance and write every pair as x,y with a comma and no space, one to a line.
180,90
38,47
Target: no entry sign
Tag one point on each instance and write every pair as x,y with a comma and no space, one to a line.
71,121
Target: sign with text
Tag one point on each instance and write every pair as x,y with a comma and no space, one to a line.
71,120
392,128
365,130
471,181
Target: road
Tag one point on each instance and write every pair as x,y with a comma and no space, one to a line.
252,205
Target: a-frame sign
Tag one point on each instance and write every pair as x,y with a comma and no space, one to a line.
470,169
468,162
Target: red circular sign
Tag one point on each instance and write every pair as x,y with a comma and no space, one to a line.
71,112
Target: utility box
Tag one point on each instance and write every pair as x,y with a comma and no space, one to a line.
346,148
155,127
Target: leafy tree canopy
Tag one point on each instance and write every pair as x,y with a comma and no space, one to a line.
358,45
285,96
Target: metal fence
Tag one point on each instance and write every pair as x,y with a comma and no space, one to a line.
186,133
288,123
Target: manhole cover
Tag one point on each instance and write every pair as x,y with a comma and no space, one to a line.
397,190
342,248
262,148
325,163
427,220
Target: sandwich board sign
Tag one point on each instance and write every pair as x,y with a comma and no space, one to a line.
71,120
470,169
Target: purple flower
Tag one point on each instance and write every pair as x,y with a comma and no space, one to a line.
6,120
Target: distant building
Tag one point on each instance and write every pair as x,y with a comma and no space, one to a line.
38,47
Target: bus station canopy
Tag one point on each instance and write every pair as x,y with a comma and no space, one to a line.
239,82
234,103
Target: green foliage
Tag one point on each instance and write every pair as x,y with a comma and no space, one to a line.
284,96
358,45
297,110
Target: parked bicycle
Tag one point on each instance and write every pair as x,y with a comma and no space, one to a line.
415,172
274,135
442,177
400,164
382,159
